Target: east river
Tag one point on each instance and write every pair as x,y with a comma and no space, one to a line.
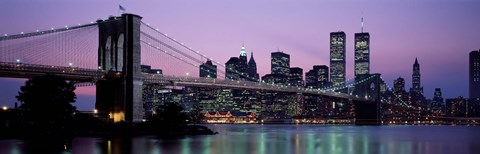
271,139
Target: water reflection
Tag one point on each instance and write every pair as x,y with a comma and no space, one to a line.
261,139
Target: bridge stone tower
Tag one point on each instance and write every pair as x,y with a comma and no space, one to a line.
368,112
119,95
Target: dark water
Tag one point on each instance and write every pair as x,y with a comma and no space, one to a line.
273,139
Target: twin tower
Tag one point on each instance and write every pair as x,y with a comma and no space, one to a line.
119,93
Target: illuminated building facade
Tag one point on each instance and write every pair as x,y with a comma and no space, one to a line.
230,117
317,77
437,102
242,64
416,86
208,70
280,63
296,77
362,53
275,79
474,74
231,69
456,107
337,58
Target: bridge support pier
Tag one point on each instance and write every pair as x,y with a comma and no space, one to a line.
368,112
120,95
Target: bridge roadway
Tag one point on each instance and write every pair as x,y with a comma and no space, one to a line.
21,70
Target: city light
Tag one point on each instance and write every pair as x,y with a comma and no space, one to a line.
4,108
95,111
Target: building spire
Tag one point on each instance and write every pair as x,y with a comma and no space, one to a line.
362,22
252,60
416,61
243,52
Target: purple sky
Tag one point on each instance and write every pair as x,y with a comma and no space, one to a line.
439,33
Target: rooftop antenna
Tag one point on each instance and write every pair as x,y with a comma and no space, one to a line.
362,21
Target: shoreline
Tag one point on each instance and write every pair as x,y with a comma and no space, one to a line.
28,133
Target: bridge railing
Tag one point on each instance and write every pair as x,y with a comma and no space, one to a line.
195,81
35,68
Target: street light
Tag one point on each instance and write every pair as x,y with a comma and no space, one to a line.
95,111
5,108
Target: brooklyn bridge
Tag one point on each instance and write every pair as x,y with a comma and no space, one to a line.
113,55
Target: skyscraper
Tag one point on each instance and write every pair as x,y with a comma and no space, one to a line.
317,77
398,85
280,63
242,63
310,78
399,90
362,53
474,74
208,70
296,77
322,72
416,86
231,69
252,69
337,58
437,102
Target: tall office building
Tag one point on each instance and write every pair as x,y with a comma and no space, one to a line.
474,74
310,79
322,71
231,69
416,86
242,63
437,102
399,90
398,85
337,58
296,77
362,53
280,63
317,77
208,70
252,69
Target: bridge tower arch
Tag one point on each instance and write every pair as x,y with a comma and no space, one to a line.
119,94
368,87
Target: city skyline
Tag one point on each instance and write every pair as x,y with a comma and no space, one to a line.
307,47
